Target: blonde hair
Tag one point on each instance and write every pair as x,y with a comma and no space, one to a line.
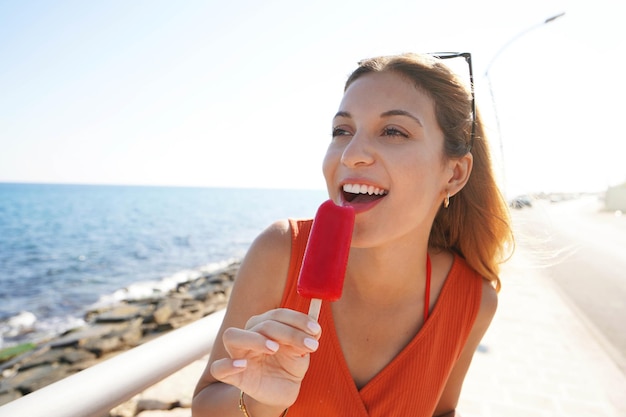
476,225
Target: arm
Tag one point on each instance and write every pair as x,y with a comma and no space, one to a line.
260,349
451,393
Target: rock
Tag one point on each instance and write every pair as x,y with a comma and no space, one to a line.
176,412
126,409
75,337
49,357
154,404
10,395
165,309
133,334
35,378
114,336
73,356
184,318
120,313
81,366
104,345
112,330
193,306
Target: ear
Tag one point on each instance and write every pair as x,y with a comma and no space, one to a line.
459,170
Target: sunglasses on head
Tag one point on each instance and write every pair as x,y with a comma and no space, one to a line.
468,59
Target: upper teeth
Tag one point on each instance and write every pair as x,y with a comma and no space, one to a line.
363,189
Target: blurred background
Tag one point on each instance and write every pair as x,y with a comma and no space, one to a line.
207,93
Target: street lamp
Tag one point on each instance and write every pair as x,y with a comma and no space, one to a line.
493,100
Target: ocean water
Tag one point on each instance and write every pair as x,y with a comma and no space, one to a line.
64,248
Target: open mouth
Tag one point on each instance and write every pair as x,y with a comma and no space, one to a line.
361,193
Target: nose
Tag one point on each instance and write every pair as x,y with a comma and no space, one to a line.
358,151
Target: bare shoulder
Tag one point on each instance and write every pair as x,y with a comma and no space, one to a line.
488,306
274,240
486,312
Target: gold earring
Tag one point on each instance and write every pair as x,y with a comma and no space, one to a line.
446,201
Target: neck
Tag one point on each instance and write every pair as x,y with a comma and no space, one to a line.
385,277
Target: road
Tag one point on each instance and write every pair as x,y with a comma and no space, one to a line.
583,250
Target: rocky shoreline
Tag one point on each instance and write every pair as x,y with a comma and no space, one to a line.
112,330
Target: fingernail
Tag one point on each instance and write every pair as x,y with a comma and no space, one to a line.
240,363
311,343
271,345
314,327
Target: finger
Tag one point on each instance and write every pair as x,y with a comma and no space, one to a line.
240,343
228,370
267,340
286,336
288,317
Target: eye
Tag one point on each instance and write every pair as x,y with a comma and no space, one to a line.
337,131
392,131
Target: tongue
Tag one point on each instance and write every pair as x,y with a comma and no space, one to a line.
365,198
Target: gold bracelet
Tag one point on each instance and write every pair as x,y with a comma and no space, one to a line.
244,410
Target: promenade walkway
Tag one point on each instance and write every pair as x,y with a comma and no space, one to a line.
538,359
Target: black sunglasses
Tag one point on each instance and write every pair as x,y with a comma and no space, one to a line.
468,59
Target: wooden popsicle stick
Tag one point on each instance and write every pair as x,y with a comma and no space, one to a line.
314,308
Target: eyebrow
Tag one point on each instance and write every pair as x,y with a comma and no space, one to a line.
343,114
388,113
402,113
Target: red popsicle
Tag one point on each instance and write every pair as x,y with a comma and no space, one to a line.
326,255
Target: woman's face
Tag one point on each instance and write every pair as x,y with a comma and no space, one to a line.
386,159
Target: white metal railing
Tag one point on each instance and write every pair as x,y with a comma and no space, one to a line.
96,390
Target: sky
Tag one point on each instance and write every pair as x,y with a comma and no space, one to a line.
242,93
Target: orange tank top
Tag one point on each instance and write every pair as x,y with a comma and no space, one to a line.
414,380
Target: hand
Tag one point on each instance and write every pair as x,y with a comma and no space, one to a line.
269,358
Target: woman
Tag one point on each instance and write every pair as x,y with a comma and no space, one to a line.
422,276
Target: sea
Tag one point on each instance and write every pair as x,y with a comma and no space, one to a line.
67,248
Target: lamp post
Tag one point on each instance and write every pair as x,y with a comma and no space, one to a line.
493,100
